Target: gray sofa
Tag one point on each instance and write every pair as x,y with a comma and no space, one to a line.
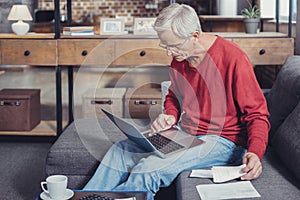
80,148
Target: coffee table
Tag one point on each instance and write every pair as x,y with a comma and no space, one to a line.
138,195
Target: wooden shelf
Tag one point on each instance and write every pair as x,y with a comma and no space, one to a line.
273,35
45,128
121,36
224,18
29,35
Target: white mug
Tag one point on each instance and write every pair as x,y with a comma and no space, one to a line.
56,186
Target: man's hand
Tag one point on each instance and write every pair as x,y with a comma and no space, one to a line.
162,122
253,166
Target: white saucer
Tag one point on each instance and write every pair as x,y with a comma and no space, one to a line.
69,194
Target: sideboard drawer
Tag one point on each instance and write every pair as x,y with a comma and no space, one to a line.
29,52
85,52
267,51
140,52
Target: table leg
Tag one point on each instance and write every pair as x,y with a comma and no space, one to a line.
58,101
70,85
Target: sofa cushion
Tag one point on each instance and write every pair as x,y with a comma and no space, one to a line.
81,146
285,93
274,183
286,141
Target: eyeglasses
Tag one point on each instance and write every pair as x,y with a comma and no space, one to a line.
173,47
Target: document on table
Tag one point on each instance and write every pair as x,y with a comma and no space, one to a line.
227,173
219,173
241,189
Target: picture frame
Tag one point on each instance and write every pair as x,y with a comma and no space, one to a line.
144,26
112,26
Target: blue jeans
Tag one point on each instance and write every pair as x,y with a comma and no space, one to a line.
127,167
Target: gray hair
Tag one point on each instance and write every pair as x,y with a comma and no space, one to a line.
180,18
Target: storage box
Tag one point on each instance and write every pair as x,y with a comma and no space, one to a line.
143,103
110,99
19,109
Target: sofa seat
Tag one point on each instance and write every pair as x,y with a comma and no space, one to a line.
82,145
276,182
78,151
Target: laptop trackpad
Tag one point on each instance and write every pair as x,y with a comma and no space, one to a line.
182,138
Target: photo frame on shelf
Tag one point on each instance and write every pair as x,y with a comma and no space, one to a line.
144,26
112,26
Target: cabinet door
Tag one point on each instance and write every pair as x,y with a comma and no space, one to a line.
134,52
267,51
85,52
29,51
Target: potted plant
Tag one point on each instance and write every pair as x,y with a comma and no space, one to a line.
252,17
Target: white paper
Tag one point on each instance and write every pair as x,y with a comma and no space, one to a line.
201,173
226,173
219,173
242,189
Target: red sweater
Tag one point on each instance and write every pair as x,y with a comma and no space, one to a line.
220,96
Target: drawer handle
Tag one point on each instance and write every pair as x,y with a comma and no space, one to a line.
84,53
150,102
143,53
109,102
7,103
26,53
262,51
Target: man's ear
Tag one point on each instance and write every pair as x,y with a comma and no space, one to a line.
196,34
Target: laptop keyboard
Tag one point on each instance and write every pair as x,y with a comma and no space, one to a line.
101,197
163,144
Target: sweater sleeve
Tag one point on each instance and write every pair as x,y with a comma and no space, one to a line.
252,105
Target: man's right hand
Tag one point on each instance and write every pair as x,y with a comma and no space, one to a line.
161,123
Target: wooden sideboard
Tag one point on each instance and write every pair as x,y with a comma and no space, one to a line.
30,49
264,48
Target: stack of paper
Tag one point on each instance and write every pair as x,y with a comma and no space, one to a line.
238,190
78,30
220,174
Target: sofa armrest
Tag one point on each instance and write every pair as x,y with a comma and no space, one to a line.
286,142
285,93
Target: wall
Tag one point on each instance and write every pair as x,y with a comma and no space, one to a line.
89,10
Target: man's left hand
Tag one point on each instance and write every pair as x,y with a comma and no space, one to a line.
253,166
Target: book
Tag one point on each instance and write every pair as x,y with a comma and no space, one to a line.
78,32
78,28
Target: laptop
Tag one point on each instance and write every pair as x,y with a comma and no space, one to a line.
163,144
